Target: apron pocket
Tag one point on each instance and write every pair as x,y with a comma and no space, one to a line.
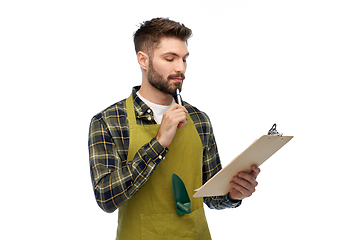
172,226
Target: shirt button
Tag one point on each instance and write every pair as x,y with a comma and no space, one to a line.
160,157
149,118
149,110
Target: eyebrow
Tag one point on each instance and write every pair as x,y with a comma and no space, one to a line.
174,54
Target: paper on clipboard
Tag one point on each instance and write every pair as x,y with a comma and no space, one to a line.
257,153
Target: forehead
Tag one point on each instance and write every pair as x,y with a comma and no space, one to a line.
171,45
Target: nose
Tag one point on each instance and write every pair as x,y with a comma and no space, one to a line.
180,66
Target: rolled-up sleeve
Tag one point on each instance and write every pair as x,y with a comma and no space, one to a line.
116,180
212,165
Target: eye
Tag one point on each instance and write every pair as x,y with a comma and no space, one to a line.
169,59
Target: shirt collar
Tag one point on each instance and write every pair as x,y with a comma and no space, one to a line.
142,110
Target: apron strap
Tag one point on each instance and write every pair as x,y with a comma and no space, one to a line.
130,110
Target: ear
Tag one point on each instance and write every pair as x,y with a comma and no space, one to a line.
143,60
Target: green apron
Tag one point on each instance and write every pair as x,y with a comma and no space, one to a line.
150,213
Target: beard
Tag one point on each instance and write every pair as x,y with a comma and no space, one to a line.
159,82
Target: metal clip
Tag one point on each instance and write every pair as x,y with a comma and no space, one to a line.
273,131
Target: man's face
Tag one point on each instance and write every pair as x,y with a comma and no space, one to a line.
167,65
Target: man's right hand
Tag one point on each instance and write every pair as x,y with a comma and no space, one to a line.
174,118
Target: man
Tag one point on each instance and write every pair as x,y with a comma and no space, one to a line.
136,144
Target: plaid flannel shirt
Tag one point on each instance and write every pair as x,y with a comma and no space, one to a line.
115,181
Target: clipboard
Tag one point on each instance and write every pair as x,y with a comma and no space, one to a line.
257,153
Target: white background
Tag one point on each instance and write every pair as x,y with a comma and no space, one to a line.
252,63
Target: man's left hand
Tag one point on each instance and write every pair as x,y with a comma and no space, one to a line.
244,184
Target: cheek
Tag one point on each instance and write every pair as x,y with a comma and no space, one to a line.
163,69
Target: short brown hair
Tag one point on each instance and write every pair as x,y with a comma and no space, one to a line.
149,34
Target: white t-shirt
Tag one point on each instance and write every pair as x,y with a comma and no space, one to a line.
158,110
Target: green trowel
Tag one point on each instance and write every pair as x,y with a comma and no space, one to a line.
181,197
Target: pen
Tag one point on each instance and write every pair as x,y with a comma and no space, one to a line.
178,96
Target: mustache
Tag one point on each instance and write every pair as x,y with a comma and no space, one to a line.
178,75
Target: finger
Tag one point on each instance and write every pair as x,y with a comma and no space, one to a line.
175,116
248,185
247,177
181,124
240,192
180,116
255,171
177,106
238,187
